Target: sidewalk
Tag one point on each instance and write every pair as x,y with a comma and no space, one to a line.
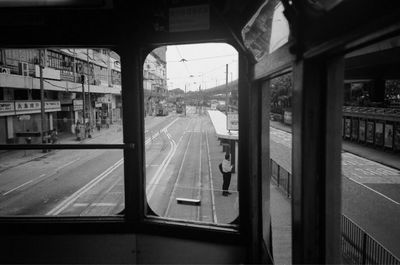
380,156
13,158
281,205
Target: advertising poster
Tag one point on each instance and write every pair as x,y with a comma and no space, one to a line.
379,133
347,128
396,136
370,132
389,135
354,130
362,131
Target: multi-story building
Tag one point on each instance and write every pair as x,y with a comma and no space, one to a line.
155,79
70,77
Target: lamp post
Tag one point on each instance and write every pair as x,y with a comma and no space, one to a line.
227,90
42,63
90,102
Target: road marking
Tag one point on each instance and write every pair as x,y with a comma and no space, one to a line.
67,164
178,177
377,192
68,201
160,171
24,184
104,204
211,182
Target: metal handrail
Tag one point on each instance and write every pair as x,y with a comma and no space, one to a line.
358,247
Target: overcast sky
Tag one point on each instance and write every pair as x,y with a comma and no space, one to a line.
205,62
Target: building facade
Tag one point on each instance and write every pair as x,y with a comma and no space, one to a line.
155,79
70,77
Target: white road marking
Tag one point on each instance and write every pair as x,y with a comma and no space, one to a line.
215,220
67,164
68,201
24,184
377,192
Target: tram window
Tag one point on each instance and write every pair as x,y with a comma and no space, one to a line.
67,103
280,136
371,139
189,92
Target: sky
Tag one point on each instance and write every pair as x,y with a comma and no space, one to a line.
203,65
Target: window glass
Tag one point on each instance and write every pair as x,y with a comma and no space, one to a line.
49,99
370,161
281,166
191,125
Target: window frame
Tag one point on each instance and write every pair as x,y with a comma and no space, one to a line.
233,232
14,225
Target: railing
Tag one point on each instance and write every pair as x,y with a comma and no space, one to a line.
357,246
282,178
360,248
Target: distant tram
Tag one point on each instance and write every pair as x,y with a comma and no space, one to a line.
161,109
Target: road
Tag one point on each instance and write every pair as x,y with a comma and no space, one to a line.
182,157
370,191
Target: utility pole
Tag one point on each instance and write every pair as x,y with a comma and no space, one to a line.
90,102
227,92
42,62
83,101
185,100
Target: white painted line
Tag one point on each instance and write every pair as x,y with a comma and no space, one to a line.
104,204
24,184
160,171
215,220
178,177
68,201
67,164
386,197
80,204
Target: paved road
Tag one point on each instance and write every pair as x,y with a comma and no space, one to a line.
370,191
182,157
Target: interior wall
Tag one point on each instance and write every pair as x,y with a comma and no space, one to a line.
115,249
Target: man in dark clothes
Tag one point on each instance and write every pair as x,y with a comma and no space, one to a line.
226,169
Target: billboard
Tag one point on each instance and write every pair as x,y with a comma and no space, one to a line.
232,122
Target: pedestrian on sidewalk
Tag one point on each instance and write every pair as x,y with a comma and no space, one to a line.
53,136
226,169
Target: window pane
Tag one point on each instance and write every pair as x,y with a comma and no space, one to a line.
186,90
281,166
64,110
76,118
370,161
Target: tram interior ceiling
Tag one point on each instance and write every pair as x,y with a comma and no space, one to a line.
106,157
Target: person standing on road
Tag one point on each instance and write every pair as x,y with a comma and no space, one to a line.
226,169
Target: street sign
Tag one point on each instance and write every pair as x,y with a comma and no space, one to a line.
232,121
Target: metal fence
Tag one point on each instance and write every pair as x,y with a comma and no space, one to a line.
357,246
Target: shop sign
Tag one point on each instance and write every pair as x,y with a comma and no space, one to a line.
67,75
25,107
24,117
379,133
233,121
389,135
362,131
370,132
98,104
77,104
7,108
52,106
